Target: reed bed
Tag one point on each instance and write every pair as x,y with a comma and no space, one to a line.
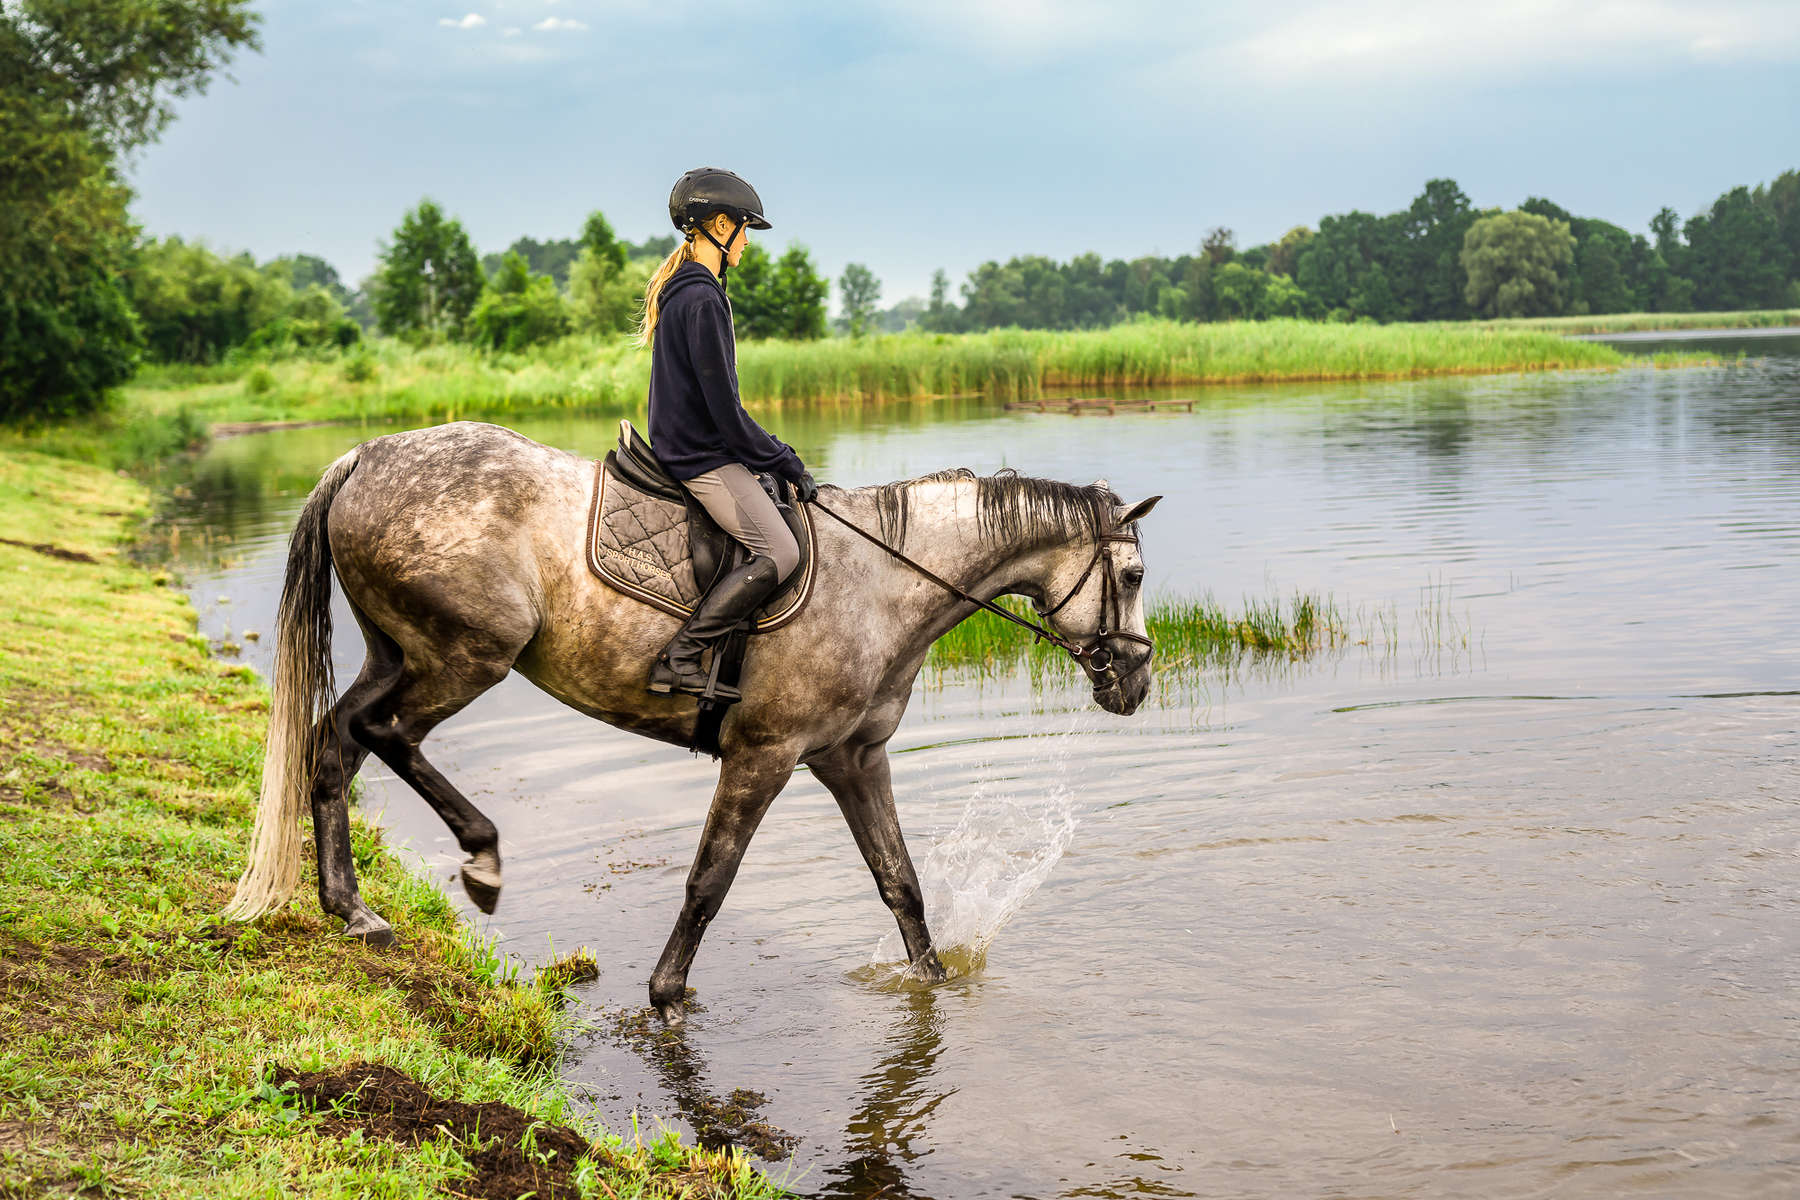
1770,318
1191,635
388,379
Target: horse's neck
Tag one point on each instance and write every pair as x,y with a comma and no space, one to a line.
943,535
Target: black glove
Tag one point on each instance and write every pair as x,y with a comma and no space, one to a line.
807,488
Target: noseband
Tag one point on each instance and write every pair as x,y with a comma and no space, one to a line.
1091,653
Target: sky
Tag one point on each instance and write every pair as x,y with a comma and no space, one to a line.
924,134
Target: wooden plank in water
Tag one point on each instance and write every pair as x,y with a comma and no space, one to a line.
1110,405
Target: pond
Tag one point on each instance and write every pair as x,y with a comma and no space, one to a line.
1504,902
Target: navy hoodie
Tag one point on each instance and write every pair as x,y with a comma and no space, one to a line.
697,423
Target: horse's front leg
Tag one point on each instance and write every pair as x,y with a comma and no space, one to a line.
858,777
749,781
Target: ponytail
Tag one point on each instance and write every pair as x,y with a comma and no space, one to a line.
653,290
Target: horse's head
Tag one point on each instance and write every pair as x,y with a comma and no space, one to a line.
1096,601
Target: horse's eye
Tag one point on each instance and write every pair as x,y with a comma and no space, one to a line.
1134,576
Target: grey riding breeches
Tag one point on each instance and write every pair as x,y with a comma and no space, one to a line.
733,497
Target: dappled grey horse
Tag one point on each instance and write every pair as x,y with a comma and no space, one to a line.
461,551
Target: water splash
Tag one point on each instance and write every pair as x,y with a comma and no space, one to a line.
999,853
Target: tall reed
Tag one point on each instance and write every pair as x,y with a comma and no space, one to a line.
389,379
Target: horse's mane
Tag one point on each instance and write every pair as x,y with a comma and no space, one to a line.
1010,507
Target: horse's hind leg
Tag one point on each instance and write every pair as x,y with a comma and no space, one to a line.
395,720
340,757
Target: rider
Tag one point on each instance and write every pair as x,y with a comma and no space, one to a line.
698,426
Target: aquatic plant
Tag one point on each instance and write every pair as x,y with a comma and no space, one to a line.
1191,634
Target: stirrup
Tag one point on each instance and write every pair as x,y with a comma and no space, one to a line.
664,681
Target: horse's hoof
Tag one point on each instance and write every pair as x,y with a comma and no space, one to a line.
481,880
674,1014
370,930
927,968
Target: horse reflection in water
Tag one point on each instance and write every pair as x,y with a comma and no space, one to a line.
896,1100
460,549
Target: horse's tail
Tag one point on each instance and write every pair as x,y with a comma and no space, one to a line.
303,692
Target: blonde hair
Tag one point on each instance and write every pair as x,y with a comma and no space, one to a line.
653,290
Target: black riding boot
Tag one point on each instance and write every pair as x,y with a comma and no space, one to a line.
731,599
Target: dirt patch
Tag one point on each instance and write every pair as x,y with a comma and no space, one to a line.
49,988
512,1153
62,552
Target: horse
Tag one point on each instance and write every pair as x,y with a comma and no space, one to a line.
460,549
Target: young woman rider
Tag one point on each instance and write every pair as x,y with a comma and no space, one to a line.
698,426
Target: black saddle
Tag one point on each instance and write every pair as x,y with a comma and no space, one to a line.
714,551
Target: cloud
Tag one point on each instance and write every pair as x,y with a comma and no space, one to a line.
557,24
510,31
1384,39
472,21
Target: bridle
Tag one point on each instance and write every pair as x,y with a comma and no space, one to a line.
1092,653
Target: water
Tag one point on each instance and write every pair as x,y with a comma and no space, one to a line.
1505,912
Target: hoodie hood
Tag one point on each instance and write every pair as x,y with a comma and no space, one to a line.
688,275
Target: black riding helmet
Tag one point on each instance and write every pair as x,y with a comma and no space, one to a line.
704,191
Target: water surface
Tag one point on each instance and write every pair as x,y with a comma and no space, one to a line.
1507,910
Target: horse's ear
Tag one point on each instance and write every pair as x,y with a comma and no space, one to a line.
1136,512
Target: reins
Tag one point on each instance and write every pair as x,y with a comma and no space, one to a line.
1096,656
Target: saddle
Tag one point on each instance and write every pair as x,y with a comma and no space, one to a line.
650,539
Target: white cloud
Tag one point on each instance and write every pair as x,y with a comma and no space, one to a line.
556,24
1380,40
472,21
510,31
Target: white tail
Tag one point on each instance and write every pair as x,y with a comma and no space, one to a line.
302,694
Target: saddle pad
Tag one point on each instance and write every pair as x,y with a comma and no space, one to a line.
638,544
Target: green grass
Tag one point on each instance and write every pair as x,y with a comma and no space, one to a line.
135,1032
1191,636
1642,322
387,379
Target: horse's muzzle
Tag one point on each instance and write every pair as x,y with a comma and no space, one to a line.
1121,691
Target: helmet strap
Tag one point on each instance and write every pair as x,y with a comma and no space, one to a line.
737,227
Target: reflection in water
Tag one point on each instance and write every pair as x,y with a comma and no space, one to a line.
895,1103
718,1120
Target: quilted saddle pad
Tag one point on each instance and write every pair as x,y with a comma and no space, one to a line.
639,544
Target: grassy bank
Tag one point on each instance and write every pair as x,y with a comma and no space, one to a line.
388,379
1772,318
144,1049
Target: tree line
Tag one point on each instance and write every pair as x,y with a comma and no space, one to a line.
1438,259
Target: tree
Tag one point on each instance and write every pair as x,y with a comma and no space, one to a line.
1220,245
859,292
604,288
81,85
1516,263
517,309
597,237
195,305
429,279
1736,256
777,298
313,319
940,316
604,299
304,270
1432,284
1284,256
802,292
